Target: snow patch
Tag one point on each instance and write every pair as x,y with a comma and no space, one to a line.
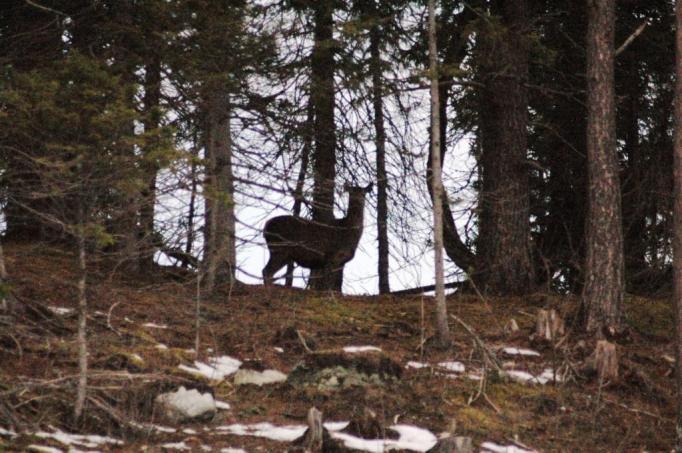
43,449
176,446
61,311
186,404
278,349
354,349
491,447
232,450
81,440
152,325
285,433
520,351
161,347
222,405
7,432
416,365
455,367
411,437
216,369
525,377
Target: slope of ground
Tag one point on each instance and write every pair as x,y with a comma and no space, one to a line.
131,316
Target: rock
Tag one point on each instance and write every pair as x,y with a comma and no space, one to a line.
333,370
451,444
185,405
259,378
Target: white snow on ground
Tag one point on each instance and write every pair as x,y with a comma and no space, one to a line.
285,433
278,349
232,450
176,446
7,432
353,349
411,437
222,405
81,440
525,377
416,365
152,325
161,347
190,431
520,351
491,447
43,449
455,367
336,426
216,369
62,311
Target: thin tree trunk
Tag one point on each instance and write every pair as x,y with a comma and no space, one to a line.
300,181
324,158
82,316
504,263
152,98
192,207
380,140
442,328
677,235
604,268
221,252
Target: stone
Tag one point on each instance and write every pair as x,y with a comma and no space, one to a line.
185,405
259,378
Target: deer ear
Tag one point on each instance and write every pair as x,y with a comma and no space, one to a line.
368,189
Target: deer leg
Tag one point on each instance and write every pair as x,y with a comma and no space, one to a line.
275,263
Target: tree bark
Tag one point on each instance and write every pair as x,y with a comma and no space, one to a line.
441,314
504,263
152,98
82,340
324,157
300,181
220,241
380,140
677,223
604,269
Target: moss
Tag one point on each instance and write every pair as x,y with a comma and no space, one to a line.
650,317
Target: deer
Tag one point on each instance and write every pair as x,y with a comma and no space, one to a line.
312,244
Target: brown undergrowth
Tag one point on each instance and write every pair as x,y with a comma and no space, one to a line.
38,357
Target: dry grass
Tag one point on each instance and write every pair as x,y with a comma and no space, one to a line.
36,382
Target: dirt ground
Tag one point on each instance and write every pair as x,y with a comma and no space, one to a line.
38,362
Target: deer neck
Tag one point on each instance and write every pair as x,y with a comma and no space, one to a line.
355,213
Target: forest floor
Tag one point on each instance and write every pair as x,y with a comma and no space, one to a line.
131,316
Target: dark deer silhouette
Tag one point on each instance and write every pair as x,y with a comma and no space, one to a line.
315,245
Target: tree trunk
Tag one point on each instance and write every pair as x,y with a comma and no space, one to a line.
324,157
504,263
380,140
441,313
82,339
220,254
677,224
189,245
300,181
152,98
604,281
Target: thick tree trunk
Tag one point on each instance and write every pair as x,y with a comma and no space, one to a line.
504,263
380,140
441,313
324,157
677,224
220,252
152,98
604,279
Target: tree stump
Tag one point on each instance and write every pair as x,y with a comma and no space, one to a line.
512,327
549,326
316,439
606,361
